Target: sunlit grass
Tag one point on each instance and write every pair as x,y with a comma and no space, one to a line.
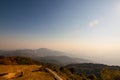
28,74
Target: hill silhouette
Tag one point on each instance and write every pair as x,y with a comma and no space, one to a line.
45,55
17,60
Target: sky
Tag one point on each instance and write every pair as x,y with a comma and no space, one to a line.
91,27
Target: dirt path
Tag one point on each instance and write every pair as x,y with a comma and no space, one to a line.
54,74
9,75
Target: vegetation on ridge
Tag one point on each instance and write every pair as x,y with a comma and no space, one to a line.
14,60
85,71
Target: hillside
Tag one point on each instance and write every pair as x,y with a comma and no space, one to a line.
61,60
45,55
41,52
91,68
22,68
13,71
16,60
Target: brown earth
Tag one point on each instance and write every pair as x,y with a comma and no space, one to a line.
23,72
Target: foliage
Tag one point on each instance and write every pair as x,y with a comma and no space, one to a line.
90,68
108,74
17,60
86,71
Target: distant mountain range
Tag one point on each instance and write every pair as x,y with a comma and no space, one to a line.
45,55
42,52
62,60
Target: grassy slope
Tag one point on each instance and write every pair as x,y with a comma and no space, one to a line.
28,74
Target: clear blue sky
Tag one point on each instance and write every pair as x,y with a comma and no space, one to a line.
90,25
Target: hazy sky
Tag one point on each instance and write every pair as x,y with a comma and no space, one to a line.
90,26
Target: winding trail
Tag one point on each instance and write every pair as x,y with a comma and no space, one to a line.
54,74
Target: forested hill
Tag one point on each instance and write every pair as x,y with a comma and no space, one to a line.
91,68
14,60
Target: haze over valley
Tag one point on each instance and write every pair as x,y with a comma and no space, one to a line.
60,39
84,29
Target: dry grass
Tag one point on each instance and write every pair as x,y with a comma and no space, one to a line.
27,70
